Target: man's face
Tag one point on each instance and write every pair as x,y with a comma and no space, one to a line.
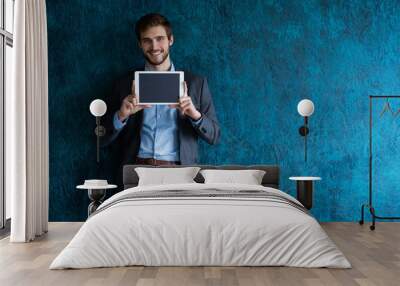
155,45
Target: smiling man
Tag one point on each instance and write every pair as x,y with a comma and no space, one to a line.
159,134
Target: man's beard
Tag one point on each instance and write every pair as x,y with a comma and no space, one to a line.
164,57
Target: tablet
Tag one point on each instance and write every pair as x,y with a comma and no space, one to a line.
154,87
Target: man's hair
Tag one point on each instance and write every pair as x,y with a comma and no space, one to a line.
152,20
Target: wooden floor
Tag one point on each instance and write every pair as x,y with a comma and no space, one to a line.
375,257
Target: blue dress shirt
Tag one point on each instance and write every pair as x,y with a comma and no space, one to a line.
159,136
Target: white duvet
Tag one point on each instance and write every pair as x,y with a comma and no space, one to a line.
200,231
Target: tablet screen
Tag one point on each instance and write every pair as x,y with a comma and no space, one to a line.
159,88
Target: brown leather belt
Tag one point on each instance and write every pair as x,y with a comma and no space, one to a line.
155,162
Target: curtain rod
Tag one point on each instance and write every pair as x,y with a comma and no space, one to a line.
384,96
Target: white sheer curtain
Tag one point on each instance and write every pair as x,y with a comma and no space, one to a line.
27,124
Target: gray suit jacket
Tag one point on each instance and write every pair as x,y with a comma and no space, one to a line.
128,138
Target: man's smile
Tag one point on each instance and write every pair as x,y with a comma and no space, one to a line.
155,53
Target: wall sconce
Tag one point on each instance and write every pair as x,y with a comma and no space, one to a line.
305,109
98,108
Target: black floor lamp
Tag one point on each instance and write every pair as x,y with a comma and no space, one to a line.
370,205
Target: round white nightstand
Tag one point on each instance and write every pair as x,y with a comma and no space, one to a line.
96,194
305,189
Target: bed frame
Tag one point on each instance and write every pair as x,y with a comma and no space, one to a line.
270,179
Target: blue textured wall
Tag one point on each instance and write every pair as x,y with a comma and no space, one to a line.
261,58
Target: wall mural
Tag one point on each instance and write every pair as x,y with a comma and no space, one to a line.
260,58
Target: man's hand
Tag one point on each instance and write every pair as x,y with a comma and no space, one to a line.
130,105
186,105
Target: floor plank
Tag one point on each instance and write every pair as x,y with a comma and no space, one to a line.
375,257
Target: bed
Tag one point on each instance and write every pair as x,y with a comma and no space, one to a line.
201,224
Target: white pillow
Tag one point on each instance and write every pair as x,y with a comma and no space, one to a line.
165,176
248,177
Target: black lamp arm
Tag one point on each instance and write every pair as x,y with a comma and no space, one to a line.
304,130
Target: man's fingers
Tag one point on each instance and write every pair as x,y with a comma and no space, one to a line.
184,99
184,111
129,98
186,108
132,99
129,106
186,104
